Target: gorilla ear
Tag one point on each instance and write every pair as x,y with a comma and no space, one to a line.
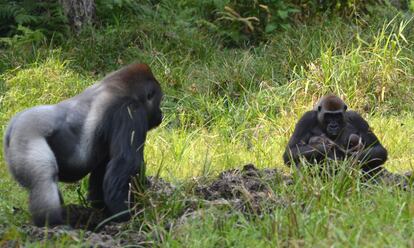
345,107
319,108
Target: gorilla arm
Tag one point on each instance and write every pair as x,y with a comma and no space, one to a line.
126,138
298,145
374,154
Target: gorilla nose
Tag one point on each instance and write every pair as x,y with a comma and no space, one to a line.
334,126
333,129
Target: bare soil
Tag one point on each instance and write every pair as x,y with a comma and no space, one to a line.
248,190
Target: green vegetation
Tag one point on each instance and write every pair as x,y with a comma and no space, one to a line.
232,100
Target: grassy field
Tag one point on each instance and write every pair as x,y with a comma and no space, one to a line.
226,107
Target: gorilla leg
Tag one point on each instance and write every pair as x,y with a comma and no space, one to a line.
45,198
44,204
95,191
34,165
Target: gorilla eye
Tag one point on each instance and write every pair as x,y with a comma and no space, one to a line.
150,95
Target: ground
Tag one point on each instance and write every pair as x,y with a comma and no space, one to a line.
248,191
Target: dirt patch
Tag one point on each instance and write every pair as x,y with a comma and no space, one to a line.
247,189
88,225
110,236
82,217
160,187
403,181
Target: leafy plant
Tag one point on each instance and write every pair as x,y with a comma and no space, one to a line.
43,18
310,8
249,21
23,36
109,11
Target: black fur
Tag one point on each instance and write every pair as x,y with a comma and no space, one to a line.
124,128
101,131
308,126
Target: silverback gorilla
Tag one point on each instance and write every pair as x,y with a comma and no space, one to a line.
101,131
332,131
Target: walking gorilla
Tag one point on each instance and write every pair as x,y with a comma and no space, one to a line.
332,131
101,131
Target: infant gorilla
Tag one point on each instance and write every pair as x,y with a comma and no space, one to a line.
324,144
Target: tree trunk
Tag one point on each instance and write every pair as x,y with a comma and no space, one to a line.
79,12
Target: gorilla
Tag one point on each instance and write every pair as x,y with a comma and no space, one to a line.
331,131
101,131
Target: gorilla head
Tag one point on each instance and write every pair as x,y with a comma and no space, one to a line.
331,115
138,82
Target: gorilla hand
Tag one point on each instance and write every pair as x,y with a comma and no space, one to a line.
355,144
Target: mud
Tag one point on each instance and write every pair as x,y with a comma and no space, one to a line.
104,238
82,217
91,226
403,181
247,189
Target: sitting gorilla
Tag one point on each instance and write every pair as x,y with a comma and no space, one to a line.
331,131
100,132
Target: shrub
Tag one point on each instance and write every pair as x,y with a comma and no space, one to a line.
250,21
23,18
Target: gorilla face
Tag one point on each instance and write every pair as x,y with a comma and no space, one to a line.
333,123
153,102
155,118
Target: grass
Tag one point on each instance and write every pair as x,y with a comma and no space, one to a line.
228,107
350,221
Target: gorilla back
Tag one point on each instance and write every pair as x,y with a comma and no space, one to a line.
101,131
